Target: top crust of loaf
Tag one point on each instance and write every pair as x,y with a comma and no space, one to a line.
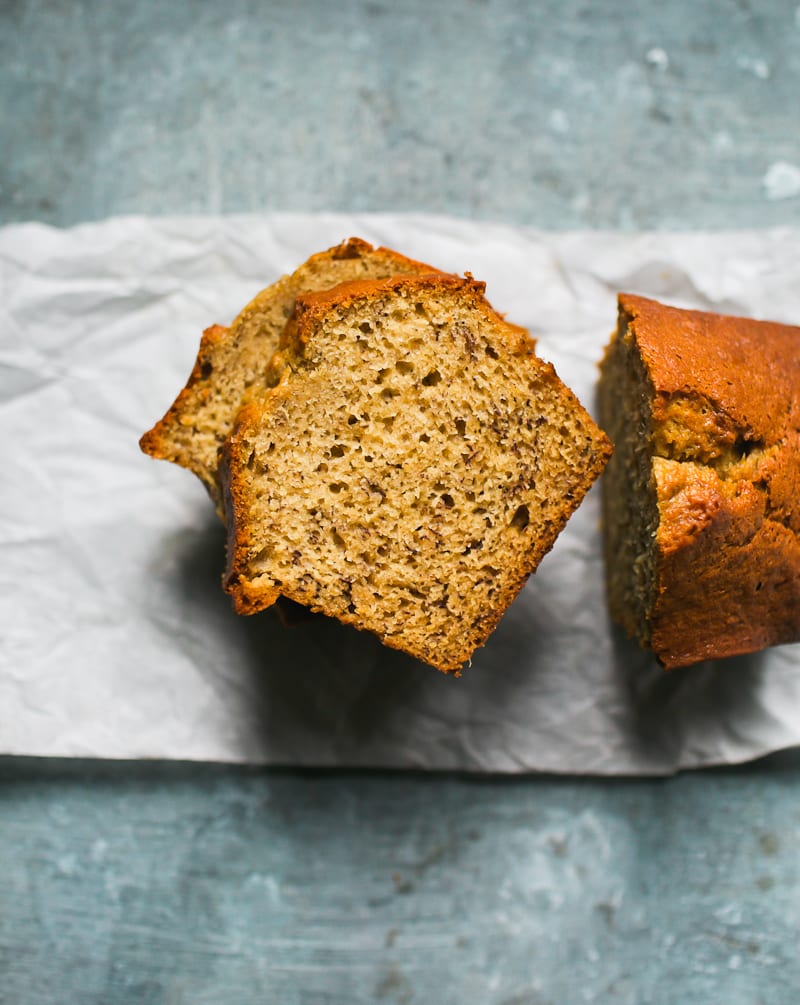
749,369
311,308
201,417
726,464
440,629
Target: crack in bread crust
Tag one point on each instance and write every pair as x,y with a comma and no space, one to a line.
724,559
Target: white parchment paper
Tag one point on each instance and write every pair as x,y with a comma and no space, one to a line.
115,638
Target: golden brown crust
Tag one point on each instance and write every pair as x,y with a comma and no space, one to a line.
726,415
310,308
248,596
252,592
351,249
160,442
749,369
728,574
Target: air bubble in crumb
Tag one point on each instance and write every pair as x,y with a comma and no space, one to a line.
521,518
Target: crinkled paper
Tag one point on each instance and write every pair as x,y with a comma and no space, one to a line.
116,638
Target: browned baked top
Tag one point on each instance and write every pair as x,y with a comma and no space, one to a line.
749,369
725,401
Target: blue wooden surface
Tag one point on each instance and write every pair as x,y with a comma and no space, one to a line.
197,884
562,113
159,884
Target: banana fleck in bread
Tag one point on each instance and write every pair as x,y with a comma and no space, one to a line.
702,495
411,469
232,362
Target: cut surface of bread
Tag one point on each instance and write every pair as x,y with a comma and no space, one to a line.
234,362
411,469
702,496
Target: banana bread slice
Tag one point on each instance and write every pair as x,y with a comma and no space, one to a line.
232,362
411,469
702,495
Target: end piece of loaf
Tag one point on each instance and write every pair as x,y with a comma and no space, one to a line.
411,469
234,362
702,495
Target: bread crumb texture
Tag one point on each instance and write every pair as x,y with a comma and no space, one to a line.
409,470
702,496
234,363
